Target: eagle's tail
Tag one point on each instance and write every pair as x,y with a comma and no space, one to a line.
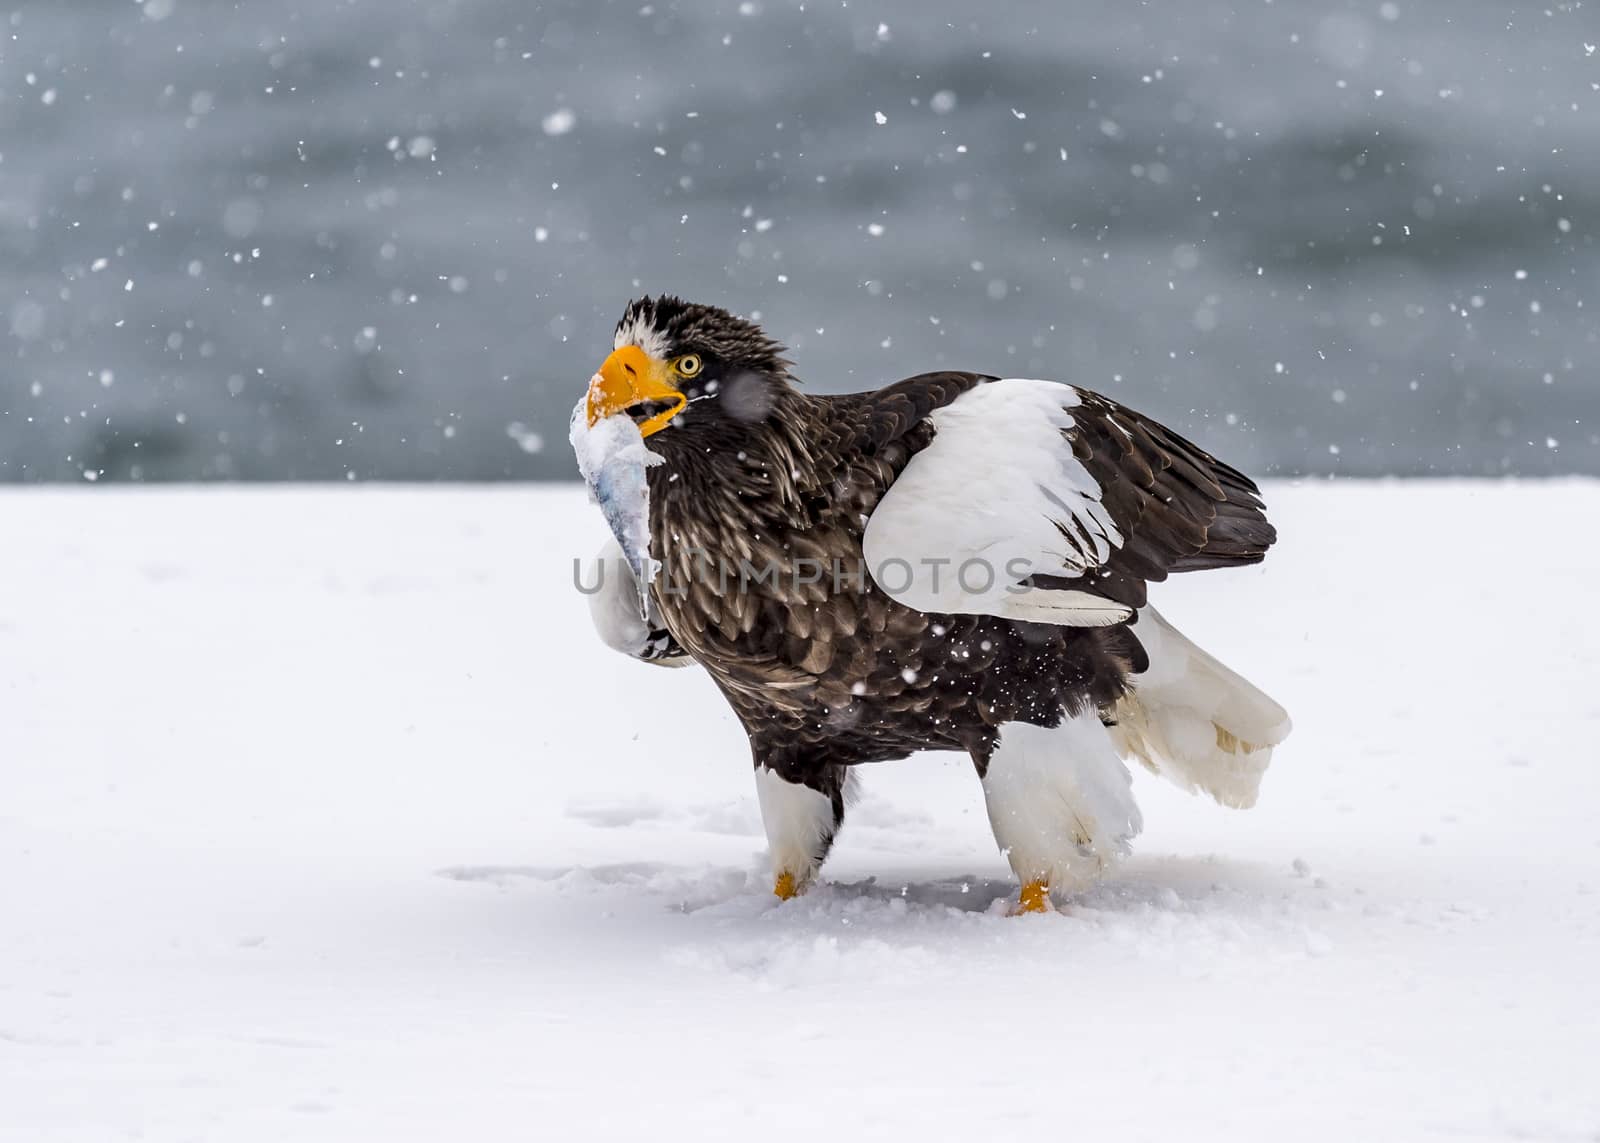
1195,722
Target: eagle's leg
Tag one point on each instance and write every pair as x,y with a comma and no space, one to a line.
802,808
1060,804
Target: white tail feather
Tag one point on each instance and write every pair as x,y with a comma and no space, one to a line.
1195,722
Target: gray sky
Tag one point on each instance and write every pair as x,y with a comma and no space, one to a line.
295,239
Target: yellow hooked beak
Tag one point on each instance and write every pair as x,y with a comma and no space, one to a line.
631,377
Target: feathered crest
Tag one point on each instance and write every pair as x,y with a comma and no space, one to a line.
673,326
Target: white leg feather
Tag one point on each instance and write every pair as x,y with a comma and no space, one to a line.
800,825
1060,801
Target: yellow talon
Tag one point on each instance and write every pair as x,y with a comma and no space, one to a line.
1035,898
785,888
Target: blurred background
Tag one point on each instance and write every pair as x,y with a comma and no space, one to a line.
389,239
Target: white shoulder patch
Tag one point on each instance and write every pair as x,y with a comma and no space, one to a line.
996,497
613,595
614,601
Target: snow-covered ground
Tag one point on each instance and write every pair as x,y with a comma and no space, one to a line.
324,816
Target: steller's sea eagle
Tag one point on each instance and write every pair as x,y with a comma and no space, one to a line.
953,562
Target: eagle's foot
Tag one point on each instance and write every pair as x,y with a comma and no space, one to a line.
1035,898
787,887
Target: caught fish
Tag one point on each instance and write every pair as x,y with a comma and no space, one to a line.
612,457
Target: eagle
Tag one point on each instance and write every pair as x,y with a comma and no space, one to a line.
956,561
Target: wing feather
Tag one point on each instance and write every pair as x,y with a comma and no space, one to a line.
1074,502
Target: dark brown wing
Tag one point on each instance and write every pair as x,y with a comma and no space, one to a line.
863,424
1178,507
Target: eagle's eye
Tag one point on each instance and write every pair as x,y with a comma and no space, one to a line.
687,365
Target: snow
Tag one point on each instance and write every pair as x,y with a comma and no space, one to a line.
324,816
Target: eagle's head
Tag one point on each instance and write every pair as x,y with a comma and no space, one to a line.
695,369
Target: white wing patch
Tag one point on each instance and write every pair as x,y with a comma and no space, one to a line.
996,497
